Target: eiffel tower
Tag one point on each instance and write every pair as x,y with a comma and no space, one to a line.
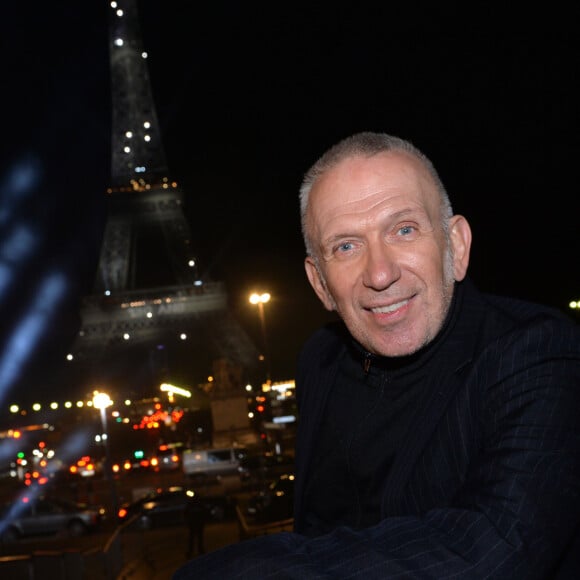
151,317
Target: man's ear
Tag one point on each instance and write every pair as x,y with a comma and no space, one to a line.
317,283
460,238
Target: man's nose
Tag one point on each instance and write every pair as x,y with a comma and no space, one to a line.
381,267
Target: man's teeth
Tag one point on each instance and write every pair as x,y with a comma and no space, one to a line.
386,309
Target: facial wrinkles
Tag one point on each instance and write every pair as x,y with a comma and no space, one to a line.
361,219
437,314
345,194
361,180
398,341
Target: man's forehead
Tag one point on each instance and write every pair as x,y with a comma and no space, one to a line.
387,171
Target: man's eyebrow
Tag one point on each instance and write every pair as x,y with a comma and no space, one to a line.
403,213
398,215
335,238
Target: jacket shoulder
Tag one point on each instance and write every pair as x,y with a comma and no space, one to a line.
325,341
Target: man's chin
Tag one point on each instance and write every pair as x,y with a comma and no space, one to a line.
400,348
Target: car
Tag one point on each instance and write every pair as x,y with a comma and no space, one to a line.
86,466
43,516
202,465
273,503
131,466
264,467
168,457
166,507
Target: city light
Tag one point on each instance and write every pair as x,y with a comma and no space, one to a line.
102,401
259,299
174,390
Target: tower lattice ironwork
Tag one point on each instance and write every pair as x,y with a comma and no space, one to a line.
150,316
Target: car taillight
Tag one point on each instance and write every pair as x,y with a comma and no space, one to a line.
122,513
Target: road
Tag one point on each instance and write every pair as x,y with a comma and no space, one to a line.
147,555
165,549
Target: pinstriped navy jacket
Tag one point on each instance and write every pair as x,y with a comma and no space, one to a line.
487,484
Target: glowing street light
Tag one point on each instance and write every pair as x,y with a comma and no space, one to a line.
172,390
259,300
102,401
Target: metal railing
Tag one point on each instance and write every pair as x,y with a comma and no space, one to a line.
248,530
101,563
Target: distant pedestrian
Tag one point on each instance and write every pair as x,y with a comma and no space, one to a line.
195,517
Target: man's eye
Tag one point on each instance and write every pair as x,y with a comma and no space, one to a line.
406,230
345,247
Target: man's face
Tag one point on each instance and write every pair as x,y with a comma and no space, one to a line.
384,262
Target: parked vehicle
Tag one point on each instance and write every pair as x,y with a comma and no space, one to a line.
256,468
168,457
46,516
275,502
166,507
201,464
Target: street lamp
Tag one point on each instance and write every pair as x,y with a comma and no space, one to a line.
259,300
101,401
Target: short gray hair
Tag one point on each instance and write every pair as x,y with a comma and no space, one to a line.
365,144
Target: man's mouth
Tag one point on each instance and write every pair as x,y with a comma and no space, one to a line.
388,309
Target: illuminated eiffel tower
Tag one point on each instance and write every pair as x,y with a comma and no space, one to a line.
151,317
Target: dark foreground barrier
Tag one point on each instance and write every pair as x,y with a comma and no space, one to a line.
45,565
101,563
249,530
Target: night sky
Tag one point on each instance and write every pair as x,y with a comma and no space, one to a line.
248,96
